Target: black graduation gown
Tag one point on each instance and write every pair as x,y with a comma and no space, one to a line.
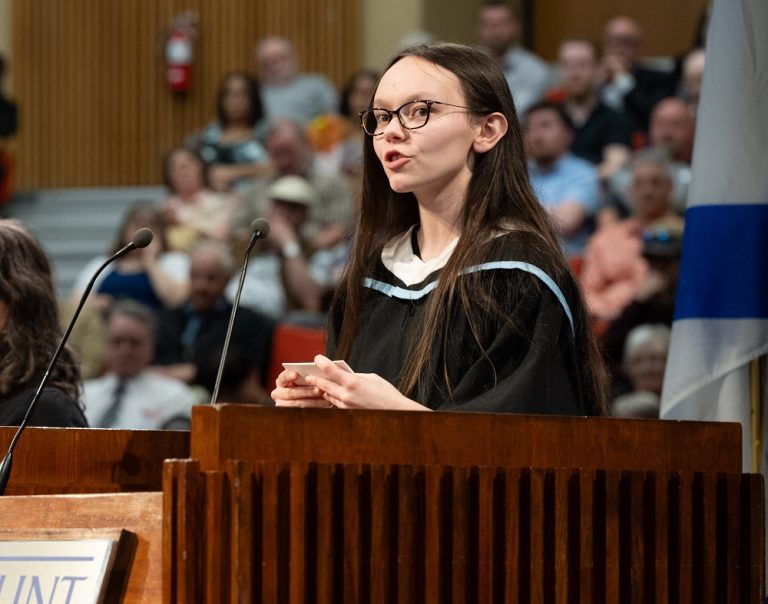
530,365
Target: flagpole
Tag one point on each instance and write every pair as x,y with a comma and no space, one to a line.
756,397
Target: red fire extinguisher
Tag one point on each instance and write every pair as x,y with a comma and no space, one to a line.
179,52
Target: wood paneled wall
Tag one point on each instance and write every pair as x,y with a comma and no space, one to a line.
669,27
89,77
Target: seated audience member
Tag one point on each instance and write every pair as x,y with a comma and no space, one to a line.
614,269
286,92
152,275
693,74
192,210
130,396
498,27
645,359
29,336
8,109
230,145
278,280
240,381
331,215
627,85
636,405
8,126
653,302
345,154
565,184
602,136
87,338
672,130
189,335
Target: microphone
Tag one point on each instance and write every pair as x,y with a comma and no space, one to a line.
259,230
140,239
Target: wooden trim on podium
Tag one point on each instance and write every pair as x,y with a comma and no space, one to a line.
250,433
78,460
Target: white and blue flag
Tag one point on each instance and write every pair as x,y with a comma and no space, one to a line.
721,313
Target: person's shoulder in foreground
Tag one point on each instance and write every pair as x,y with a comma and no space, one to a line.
54,409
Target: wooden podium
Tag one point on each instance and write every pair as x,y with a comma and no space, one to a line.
82,484
289,505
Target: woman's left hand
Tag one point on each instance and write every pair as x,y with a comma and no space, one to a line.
348,390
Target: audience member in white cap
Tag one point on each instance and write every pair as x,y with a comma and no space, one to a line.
278,280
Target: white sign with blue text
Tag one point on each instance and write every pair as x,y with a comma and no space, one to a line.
54,572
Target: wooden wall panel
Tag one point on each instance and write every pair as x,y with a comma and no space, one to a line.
669,27
89,77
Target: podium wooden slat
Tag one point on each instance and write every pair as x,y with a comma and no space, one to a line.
586,484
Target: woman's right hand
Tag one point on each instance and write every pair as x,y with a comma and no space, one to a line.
290,394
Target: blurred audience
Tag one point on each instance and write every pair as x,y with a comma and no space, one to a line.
29,336
129,396
152,276
672,128
8,126
693,74
672,131
636,405
614,270
286,92
189,335
653,302
192,211
344,152
230,145
644,362
498,27
278,280
87,339
331,214
8,109
627,84
602,136
240,380
567,185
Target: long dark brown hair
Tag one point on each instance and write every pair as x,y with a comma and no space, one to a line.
256,108
499,193
32,331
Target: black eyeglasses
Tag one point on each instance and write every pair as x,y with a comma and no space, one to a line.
412,115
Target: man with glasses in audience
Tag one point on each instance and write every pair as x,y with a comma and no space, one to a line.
129,396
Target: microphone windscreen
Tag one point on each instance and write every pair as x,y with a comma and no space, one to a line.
142,238
261,226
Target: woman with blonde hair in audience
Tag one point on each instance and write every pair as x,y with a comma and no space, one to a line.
29,335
